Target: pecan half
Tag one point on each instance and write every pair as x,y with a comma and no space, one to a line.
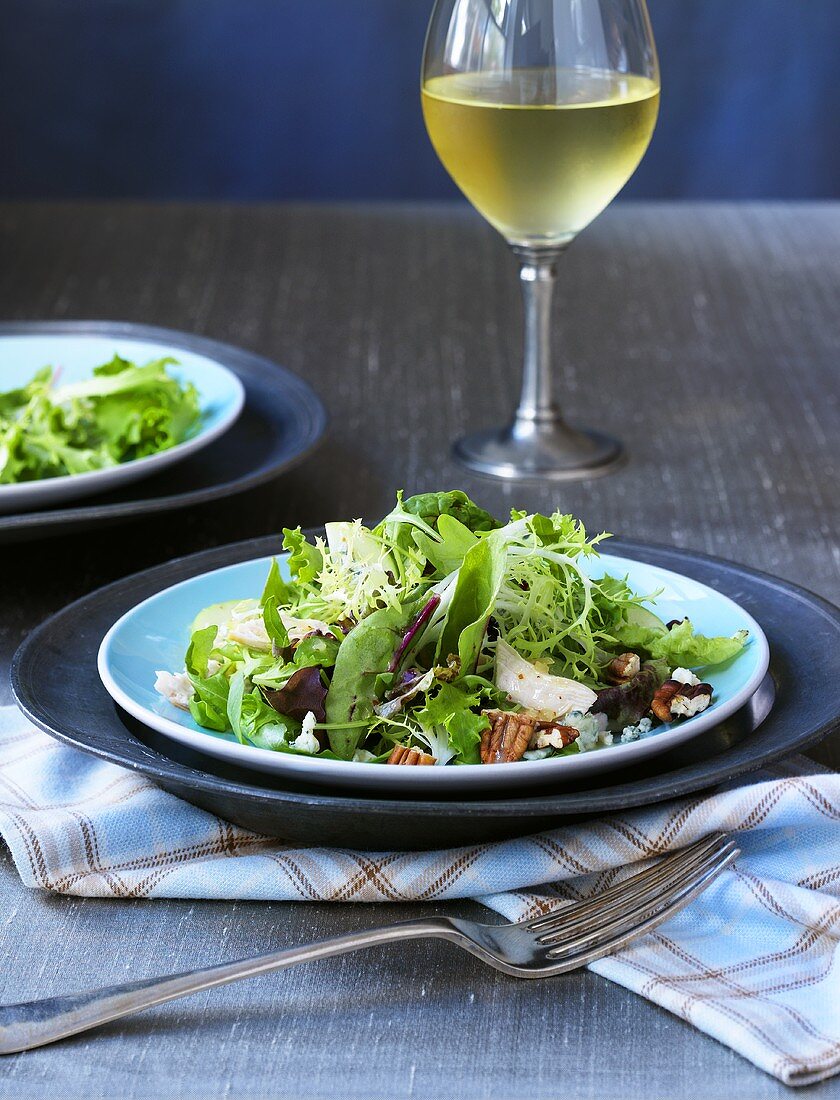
402,754
661,705
551,736
678,700
623,668
508,738
691,699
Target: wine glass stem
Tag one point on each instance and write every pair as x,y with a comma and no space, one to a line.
538,275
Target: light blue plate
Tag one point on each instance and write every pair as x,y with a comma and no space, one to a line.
221,395
154,635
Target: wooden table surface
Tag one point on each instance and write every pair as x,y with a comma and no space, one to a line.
707,337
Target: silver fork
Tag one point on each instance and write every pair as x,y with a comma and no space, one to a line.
562,941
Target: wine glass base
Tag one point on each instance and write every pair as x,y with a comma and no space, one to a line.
549,451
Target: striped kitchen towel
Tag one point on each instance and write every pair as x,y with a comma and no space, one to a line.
754,961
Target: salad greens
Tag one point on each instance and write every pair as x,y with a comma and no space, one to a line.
124,411
447,632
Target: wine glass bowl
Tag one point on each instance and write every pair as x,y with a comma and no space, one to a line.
540,110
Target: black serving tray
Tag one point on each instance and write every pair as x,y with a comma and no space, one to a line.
282,421
55,682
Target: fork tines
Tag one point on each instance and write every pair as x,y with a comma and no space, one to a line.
638,904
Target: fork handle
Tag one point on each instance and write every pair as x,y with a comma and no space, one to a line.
36,1023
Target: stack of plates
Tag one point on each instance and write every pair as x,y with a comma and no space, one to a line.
775,699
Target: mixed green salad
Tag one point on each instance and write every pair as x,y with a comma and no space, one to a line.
124,411
442,636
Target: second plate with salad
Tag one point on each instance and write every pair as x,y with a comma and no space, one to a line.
83,413
441,650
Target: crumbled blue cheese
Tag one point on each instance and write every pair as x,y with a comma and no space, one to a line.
592,727
308,742
362,756
634,733
685,676
536,754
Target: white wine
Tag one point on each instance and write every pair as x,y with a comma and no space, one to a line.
540,152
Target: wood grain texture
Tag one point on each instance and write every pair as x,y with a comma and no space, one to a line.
707,337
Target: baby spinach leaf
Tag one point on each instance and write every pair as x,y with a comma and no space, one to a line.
431,506
476,590
363,656
447,555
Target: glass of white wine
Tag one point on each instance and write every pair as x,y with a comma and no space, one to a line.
540,110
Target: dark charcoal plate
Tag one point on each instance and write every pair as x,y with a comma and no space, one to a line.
280,424
55,681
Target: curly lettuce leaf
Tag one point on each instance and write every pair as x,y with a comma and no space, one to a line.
451,728
209,704
305,560
123,412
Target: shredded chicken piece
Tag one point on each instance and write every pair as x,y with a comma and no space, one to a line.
175,687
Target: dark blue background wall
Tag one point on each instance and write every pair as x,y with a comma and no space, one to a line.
319,99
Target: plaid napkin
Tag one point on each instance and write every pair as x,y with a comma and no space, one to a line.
754,961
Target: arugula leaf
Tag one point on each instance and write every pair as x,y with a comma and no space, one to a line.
275,585
363,656
274,627
209,705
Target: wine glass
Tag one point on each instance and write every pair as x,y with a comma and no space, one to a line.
540,110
